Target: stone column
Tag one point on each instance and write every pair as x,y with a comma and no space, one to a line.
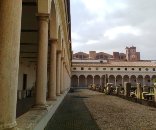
139,91
150,81
100,81
62,75
127,87
52,73
143,81
86,81
105,80
115,82
122,81
93,79
10,29
108,80
41,77
58,88
129,79
78,82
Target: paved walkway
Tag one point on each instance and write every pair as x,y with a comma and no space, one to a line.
72,115
81,109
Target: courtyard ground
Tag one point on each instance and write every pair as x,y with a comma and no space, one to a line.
108,112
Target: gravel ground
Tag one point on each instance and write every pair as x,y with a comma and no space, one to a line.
114,113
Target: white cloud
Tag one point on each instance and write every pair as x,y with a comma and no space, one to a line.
103,7
76,36
114,24
90,42
113,33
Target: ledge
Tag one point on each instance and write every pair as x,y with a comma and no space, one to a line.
37,119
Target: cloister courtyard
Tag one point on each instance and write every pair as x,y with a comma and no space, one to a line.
84,109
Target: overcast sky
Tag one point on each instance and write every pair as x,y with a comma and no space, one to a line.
111,25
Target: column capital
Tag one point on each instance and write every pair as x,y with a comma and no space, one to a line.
53,40
59,52
43,16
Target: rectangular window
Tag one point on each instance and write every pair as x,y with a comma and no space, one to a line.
82,68
111,68
24,81
118,68
139,69
125,68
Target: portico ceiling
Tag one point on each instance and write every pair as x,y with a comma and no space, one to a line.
29,31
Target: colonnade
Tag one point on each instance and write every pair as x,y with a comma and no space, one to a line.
10,24
85,80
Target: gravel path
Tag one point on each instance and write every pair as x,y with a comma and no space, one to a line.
113,113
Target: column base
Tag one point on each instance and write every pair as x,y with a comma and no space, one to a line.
58,94
61,92
52,99
8,126
40,107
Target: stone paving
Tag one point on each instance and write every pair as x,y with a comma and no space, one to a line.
109,113
72,115
114,113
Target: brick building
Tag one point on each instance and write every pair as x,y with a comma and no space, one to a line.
130,55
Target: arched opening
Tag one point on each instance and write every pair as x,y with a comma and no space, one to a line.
28,56
125,78
112,79
97,80
133,80
74,81
147,80
89,80
140,80
82,81
119,80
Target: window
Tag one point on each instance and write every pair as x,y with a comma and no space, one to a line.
132,68
104,68
139,69
24,81
89,68
111,68
118,68
82,68
125,68
146,69
97,68
153,69
74,68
